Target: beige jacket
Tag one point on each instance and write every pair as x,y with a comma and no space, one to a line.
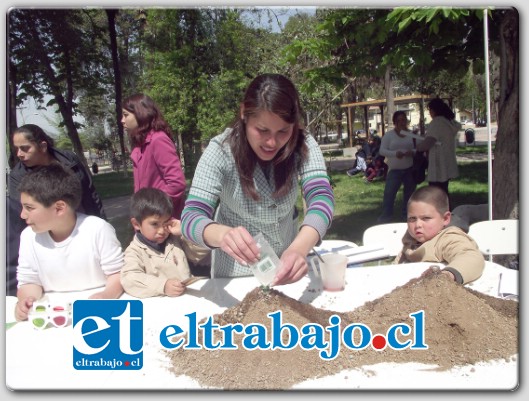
452,247
145,271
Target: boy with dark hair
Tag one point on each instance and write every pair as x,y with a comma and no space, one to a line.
429,239
61,249
156,261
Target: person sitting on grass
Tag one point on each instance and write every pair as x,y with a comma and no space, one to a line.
429,239
156,261
61,249
360,164
376,170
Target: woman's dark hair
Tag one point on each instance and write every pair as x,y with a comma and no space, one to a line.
148,116
440,108
33,133
277,94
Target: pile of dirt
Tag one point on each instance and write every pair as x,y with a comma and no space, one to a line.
461,327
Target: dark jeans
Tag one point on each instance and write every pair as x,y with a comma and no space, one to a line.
394,180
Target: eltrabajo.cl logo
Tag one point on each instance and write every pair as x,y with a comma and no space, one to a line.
108,334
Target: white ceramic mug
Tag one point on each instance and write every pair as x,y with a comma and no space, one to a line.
332,270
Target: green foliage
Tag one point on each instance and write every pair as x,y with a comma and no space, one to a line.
196,62
429,49
220,108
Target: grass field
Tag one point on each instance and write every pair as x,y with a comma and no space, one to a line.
110,185
358,204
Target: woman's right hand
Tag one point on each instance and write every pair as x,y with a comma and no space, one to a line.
240,245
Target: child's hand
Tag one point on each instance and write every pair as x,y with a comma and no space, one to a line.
173,288
22,308
174,227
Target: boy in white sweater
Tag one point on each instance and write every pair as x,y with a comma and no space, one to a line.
61,249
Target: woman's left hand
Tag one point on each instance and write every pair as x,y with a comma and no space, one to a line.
294,267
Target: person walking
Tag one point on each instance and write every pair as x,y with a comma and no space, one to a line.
155,162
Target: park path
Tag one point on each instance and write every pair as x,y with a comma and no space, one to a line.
117,206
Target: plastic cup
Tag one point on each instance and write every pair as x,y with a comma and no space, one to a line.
331,270
265,269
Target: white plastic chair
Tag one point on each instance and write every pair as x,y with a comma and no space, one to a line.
387,235
496,237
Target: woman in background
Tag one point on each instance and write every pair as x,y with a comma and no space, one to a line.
34,148
441,132
154,158
397,147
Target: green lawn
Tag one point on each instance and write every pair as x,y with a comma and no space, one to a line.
110,185
358,204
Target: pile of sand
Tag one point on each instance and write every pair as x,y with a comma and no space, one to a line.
461,327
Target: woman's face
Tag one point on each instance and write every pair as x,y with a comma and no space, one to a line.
267,133
401,122
31,154
129,121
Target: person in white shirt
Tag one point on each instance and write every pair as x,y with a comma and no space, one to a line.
397,146
441,132
61,249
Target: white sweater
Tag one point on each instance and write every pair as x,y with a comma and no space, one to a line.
391,143
80,262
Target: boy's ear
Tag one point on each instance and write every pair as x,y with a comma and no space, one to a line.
61,207
135,224
447,217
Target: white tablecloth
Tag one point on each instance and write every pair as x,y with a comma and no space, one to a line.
43,359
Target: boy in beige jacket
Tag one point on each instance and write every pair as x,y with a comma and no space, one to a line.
429,239
156,261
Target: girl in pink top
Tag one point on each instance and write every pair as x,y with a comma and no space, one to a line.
155,161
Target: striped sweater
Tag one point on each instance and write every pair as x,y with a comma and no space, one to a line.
217,195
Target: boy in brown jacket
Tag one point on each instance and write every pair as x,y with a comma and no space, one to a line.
429,239
157,259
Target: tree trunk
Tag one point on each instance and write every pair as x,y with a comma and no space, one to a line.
65,105
111,15
388,83
505,178
12,113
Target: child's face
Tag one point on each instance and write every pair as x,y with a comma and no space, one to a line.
37,216
425,222
154,228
